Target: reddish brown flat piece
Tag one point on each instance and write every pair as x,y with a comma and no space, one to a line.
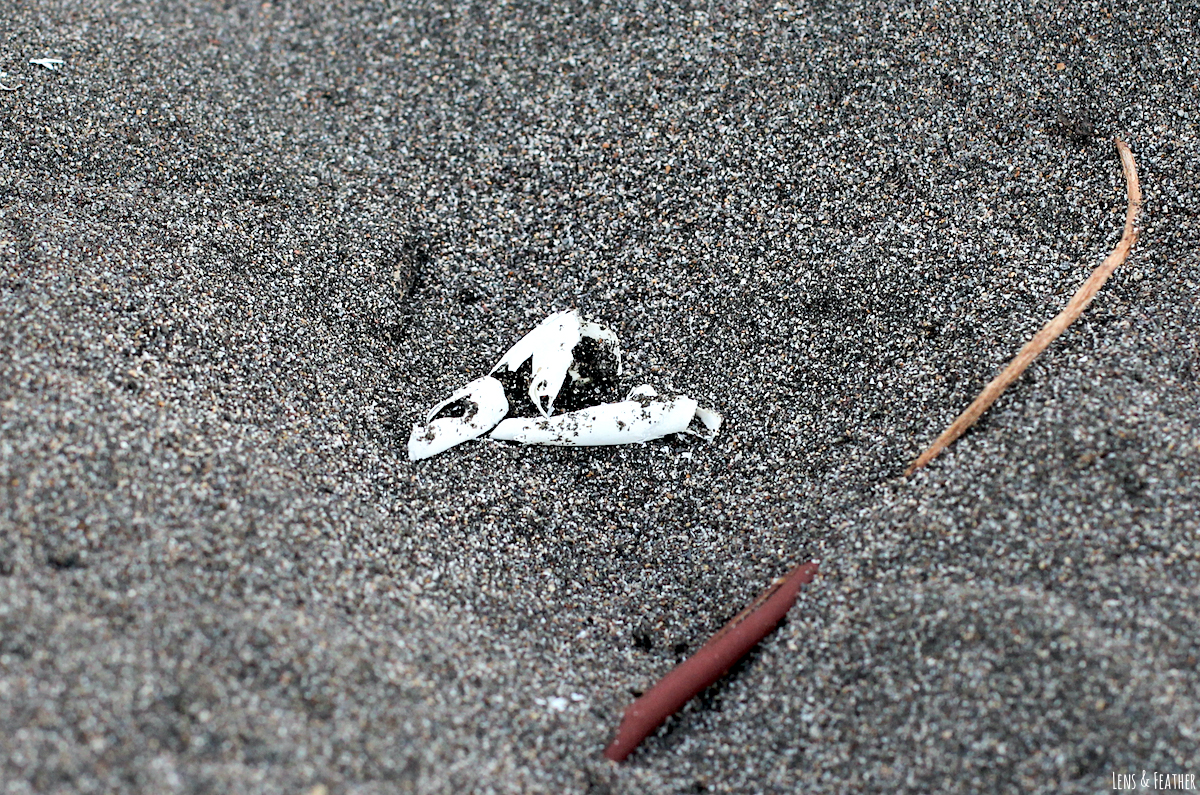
708,664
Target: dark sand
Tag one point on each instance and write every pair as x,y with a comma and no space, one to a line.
244,245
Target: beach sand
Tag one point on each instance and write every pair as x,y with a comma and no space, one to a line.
244,246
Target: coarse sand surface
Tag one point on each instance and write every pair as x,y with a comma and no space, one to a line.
245,245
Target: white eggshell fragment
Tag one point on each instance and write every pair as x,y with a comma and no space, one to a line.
548,355
485,405
550,346
710,422
588,329
640,418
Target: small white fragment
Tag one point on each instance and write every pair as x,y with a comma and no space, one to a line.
577,697
558,703
486,406
551,345
640,418
710,421
3,87
49,63
590,330
643,391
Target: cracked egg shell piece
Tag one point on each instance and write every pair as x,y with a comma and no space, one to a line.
588,329
550,344
710,420
638,419
486,406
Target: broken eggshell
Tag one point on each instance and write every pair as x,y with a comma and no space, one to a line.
483,404
562,349
709,422
551,346
643,416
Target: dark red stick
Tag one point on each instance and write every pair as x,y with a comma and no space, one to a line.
709,663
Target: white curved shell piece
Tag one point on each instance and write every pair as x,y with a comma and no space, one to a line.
551,345
710,423
485,405
640,418
588,329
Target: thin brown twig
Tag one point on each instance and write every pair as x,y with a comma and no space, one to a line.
1056,326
